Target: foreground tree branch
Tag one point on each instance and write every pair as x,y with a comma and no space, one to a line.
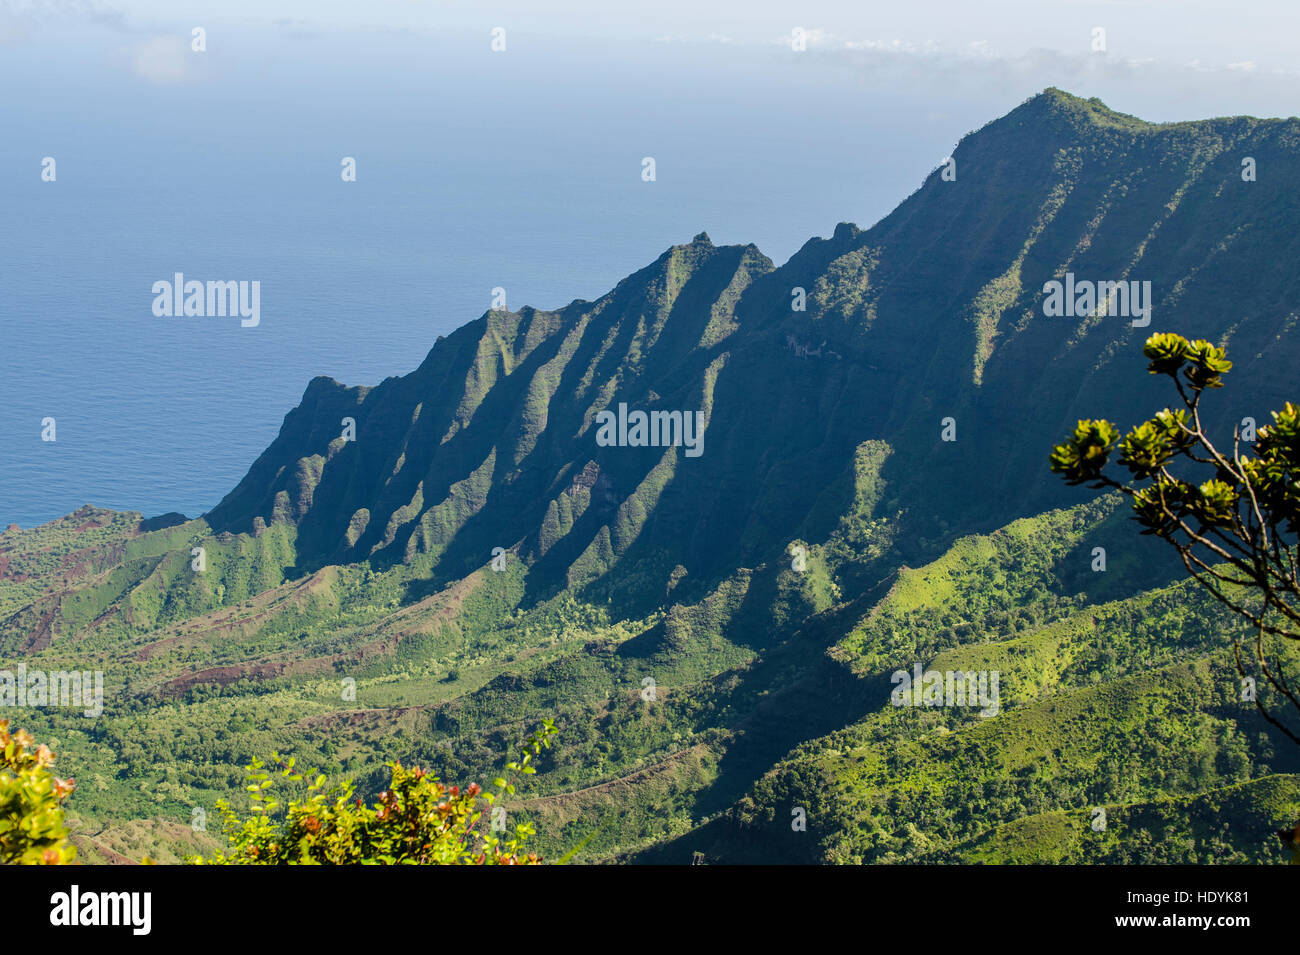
1236,529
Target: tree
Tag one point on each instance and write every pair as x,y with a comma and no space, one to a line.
418,820
32,830
1235,530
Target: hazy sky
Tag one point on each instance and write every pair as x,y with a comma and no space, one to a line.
1211,31
1163,59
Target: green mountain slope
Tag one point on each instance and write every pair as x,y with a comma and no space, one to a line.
423,569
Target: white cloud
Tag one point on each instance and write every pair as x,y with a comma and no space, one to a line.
163,59
979,54
19,19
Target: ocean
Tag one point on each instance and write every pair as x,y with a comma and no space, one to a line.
474,170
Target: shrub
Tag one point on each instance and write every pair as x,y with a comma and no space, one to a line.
418,820
32,831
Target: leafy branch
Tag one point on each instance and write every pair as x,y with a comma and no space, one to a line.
1235,531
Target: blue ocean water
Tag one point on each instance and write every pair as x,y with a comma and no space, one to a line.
475,170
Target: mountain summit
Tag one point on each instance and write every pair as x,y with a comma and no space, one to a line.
936,312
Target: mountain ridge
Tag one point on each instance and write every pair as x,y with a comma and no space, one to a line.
882,305
475,558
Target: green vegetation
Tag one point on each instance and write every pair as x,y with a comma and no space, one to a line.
417,820
32,831
716,637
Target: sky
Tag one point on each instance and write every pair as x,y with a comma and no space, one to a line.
1184,55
